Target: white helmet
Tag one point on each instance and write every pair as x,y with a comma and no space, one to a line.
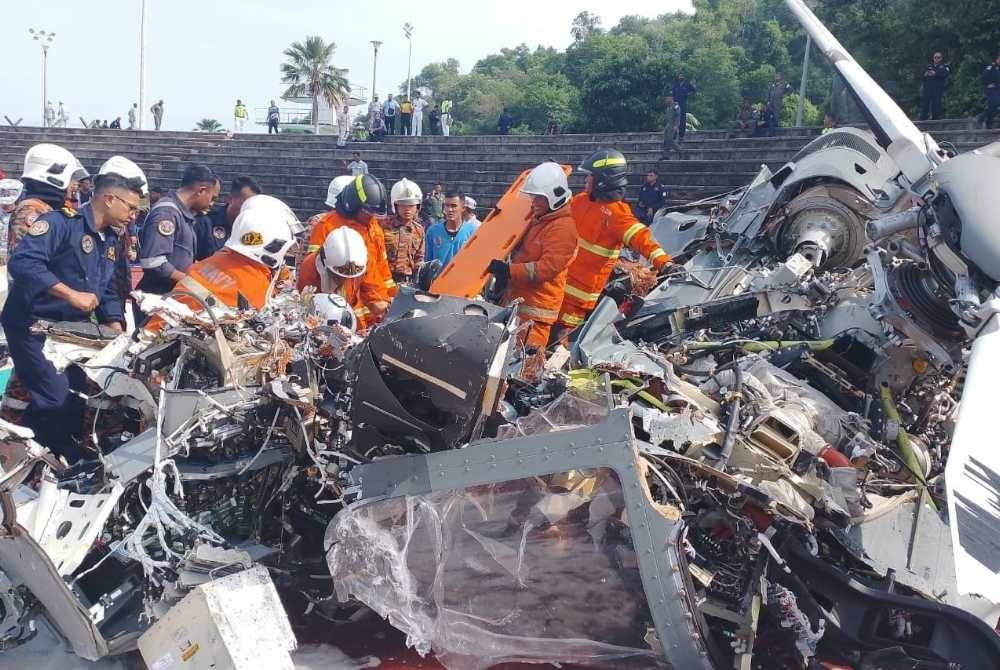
344,253
264,231
335,187
405,192
549,180
50,164
470,204
10,191
123,167
332,309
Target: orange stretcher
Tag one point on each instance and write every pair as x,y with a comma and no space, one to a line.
501,231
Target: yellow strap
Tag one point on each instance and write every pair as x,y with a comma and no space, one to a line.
581,295
598,250
656,254
389,283
537,312
632,231
360,188
605,162
361,311
312,247
571,320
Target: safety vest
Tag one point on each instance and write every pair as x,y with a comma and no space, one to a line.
241,111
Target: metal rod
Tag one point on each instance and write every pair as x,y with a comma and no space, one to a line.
45,86
802,86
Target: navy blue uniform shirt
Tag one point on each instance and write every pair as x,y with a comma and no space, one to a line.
166,243
62,247
211,230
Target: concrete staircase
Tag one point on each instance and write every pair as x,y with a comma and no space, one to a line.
297,168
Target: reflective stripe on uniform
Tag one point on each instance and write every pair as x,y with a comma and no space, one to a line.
581,295
360,188
389,283
605,162
656,254
537,312
632,231
152,262
572,320
13,403
530,269
599,250
312,247
362,311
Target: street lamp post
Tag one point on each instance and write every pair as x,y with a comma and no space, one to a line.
802,86
375,45
408,31
44,39
142,62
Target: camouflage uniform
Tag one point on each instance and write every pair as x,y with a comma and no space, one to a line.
404,244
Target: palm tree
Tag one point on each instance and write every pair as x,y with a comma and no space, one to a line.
208,126
309,72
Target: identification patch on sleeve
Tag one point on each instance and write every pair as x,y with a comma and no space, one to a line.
87,244
218,232
166,227
38,227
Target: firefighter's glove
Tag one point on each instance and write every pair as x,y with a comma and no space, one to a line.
501,272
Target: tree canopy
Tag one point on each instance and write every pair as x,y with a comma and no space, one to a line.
310,72
614,79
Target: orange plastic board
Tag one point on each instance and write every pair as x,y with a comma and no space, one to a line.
501,231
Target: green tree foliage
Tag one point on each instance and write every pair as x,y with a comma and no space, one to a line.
208,126
309,72
616,79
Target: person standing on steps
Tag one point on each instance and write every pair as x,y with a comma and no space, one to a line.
157,111
356,167
435,119
776,93
670,128
390,112
681,89
937,78
343,125
418,114
405,117
133,114
273,118
991,88
446,117
240,117
652,196
504,122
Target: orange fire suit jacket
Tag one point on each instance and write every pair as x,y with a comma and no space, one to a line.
538,268
350,289
225,275
604,228
378,287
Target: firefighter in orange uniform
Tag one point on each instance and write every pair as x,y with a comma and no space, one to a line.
338,268
356,207
243,273
538,265
605,224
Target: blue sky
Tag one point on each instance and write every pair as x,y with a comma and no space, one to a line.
201,56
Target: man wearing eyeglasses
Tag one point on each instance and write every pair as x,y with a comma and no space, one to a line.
167,245
63,270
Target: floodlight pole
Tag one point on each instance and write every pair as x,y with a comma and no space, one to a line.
142,62
44,39
408,31
375,45
802,86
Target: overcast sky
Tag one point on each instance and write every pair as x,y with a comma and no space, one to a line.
203,54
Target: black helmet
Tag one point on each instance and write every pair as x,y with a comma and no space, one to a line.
609,168
364,191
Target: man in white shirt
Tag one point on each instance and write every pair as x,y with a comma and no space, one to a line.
418,115
343,125
357,166
469,214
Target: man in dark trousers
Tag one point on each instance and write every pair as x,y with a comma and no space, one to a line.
991,88
504,122
937,77
652,196
681,89
670,122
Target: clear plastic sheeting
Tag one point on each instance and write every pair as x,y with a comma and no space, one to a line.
540,569
565,412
